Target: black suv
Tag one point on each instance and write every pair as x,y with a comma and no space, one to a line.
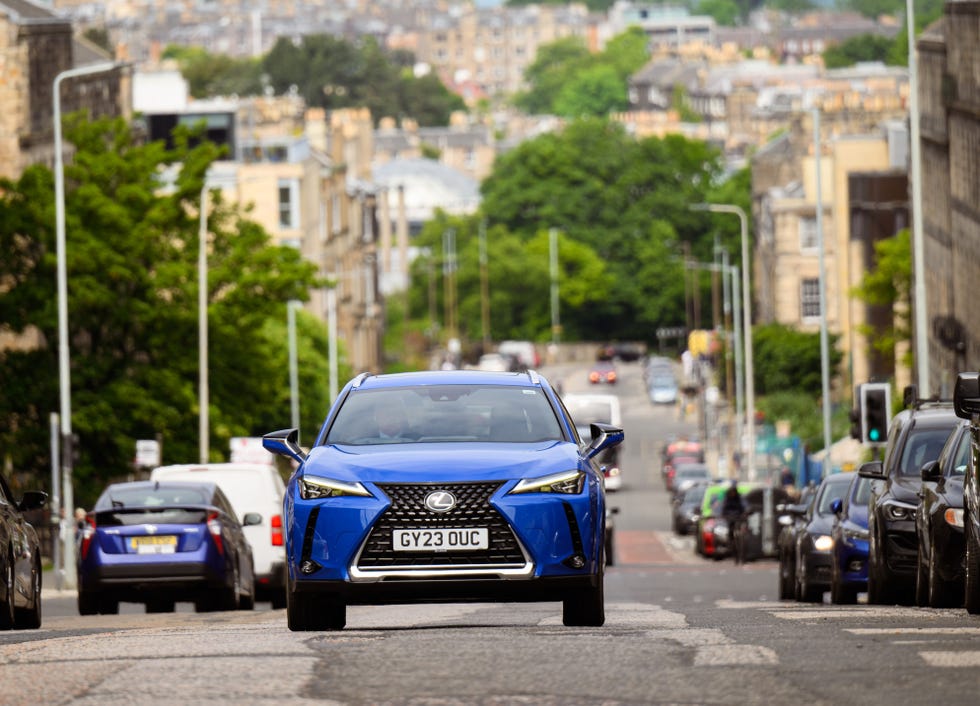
916,435
966,401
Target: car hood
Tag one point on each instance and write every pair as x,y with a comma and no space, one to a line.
820,524
906,490
441,461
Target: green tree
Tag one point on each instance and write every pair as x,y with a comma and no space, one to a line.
596,91
627,52
725,12
210,74
889,285
867,47
132,302
553,66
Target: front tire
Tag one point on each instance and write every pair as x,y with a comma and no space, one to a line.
30,618
941,593
879,593
786,577
7,607
921,580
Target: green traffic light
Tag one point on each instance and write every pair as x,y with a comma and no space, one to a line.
873,435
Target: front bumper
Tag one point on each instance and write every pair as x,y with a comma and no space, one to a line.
901,548
851,556
818,567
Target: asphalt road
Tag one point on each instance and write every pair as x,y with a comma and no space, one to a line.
679,630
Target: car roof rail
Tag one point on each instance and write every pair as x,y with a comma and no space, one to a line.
359,379
533,375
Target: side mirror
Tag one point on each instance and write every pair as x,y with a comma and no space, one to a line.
966,395
32,500
836,505
284,442
931,471
251,518
872,469
604,436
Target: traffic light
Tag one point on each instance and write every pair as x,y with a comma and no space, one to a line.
875,412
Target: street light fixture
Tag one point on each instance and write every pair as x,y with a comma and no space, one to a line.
64,377
747,317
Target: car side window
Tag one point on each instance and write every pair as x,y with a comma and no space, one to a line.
221,502
961,458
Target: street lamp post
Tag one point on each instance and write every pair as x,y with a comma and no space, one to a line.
202,330
64,378
747,316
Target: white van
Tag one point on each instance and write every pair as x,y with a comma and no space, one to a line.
250,487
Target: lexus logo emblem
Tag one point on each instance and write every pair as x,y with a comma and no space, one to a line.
440,501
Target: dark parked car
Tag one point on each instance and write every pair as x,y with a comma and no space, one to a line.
161,542
813,542
687,475
966,402
20,561
849,557
939,524
792,521
488,494
762,525
916,435
685,509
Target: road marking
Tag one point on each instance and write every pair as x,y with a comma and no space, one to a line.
951,659
914,631
734,655
851,614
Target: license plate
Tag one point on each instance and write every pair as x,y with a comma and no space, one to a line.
441,540
154,544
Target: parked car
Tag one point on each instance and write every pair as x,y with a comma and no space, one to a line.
257,490
20,560
523,352
688,474
685,509
762,521
678,451
792,521
490,495
966,404
939,524
603,372
498,362
916,435
163,542
849,556
813,542
586,409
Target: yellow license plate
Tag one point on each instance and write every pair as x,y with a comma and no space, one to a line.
154,544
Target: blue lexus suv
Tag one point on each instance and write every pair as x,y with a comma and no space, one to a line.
448,486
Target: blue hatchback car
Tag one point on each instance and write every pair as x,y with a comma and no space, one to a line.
445,486
849,556
160,542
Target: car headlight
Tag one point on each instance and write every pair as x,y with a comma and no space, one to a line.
316,487
823,543
721,530
896,511
565,483
954,516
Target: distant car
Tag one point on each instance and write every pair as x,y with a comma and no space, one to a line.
490,495
523,352
813,542
603,372
586,409
676,452
163,542
663,389
916,435
20,561
939,524
686,508
610,535
849,557
760,504
254,489
497,362
688,474
792,521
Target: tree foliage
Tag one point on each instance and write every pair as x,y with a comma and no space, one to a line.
724,12
788,360
867,47
889,284
131,260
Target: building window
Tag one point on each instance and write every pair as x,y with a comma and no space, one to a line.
810,299
336,221
288,203
809,236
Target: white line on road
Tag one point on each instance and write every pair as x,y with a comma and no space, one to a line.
951,659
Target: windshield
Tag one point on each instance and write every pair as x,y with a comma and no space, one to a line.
439,413
862,492
830,492
923,445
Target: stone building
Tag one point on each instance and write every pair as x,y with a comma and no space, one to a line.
949,106
37,45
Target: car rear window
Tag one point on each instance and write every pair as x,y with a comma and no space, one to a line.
163,516
446,413
158,495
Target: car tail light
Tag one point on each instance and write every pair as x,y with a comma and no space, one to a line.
277,530
611,376
594,377
214,527
87,533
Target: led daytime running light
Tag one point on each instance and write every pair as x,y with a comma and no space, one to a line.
567,483
316,487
